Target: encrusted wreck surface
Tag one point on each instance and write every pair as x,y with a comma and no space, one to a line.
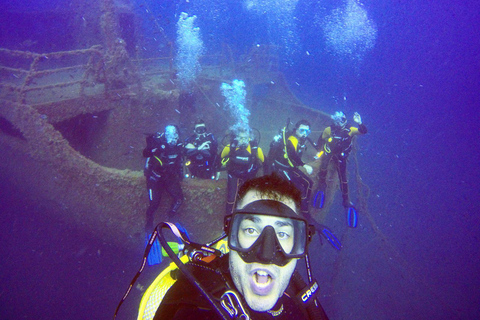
75,145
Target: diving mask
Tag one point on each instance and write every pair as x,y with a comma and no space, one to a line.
268,232
339,118
304,132
200,129
243,140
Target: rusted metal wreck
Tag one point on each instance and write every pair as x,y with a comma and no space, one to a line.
73,124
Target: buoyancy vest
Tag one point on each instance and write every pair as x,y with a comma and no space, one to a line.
215,278
200,156
162,157
242,161
154,295
340,142
283,155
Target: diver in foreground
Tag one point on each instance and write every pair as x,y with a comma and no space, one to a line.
257,279
337,144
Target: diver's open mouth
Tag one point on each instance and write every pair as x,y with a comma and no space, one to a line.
261,282
262,278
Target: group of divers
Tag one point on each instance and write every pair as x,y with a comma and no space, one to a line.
249,272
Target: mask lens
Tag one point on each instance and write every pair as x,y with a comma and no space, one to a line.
200,129
243,140
339,118
305,131
248,233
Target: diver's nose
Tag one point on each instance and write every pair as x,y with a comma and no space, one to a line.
266,251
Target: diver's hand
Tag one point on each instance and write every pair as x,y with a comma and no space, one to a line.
217,175
205,145
308,168
357,118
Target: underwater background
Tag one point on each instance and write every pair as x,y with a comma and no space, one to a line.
410,68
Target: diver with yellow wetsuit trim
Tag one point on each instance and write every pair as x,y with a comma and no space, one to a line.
242,159
336,141
287,159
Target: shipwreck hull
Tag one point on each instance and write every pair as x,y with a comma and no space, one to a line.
81,157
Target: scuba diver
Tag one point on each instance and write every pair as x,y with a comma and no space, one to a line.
163,170
201,152
337,144
242,159
257,279
285,158
249,272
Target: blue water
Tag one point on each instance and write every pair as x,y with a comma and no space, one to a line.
417,90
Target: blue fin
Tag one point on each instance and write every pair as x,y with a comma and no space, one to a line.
331,238
155,254
183,230
352,217
319,199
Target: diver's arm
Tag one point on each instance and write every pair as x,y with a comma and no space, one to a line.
190,150
362,129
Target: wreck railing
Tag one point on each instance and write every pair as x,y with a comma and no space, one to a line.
27,75
33,78
223,60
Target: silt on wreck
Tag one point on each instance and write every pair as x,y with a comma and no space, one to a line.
73,127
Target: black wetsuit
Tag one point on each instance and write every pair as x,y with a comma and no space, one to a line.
183,301
286,165
202,162
163,171
242,163
337,144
